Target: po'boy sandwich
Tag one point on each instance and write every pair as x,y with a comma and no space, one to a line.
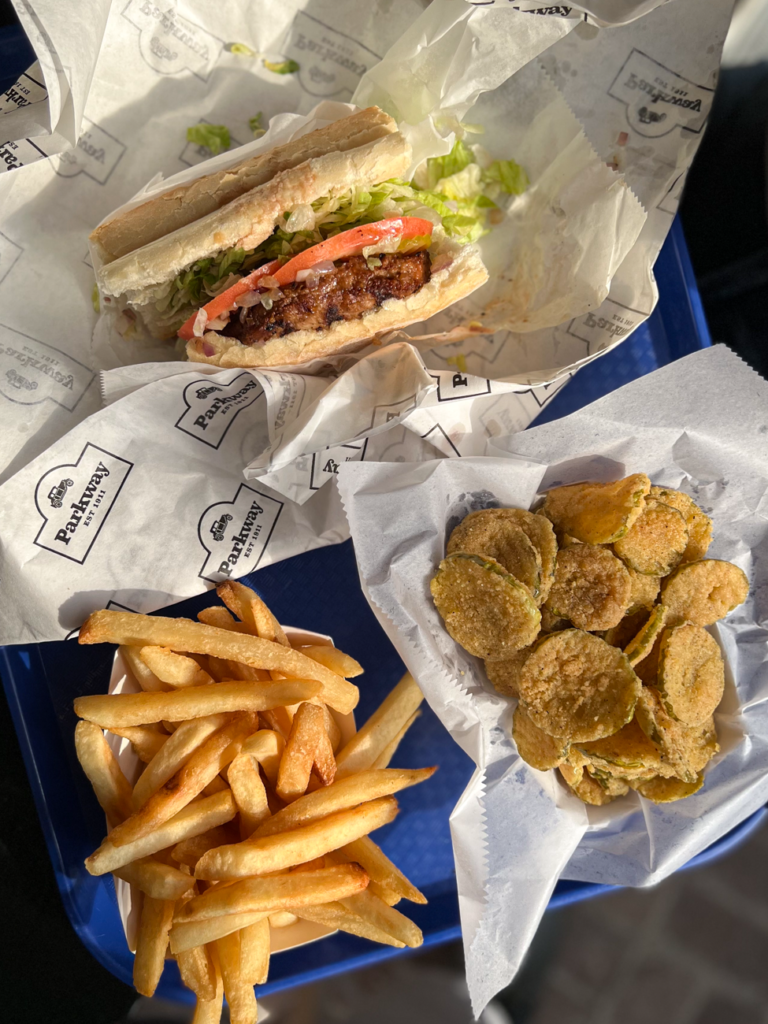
301,252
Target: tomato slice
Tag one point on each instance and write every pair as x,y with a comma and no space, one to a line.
352,242
224,302
339,247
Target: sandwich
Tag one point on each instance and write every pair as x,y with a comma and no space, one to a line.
310,249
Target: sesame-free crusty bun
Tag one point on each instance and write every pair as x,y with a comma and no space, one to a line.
446,286
180,206
247,221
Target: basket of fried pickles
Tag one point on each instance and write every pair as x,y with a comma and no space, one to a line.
596,612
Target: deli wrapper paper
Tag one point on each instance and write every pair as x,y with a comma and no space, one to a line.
603,103
700,425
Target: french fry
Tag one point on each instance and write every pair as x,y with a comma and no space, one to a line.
385,918
189,851
193,820
308,745
334,659
239,994
332,728
120,709
254,675
142,673
384,758
336,915
380,868
219,669
197,972
249,793
284,850
266,746
221,619
282,919
254,953
367,745
188,935
256,616
197,638
279,720
160,881
278,892
342,794
174,754
152,942
208,1011
217,785
146,740
201,768
172,668
112,789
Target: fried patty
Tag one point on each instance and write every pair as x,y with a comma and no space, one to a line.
348,292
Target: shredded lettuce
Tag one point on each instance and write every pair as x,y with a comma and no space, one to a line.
241,49
95,299
457,199
509,175
214,137
439,167
254,123
284,67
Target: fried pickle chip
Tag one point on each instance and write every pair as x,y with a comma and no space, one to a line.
691,675
627,629
587,787
628,754
597,513
664,791
591,588
480,531
641,645
485,609
656,542
686,748
645,590
505,674
578,687
536,747
703,592
699,525
552,623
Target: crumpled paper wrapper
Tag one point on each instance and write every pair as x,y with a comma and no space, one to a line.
579,245
699,425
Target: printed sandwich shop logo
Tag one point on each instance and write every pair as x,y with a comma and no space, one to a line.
330,62
235,533
659,100
212,407
168,42
96,155
74,500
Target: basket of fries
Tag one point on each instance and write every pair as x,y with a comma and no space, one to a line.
238,795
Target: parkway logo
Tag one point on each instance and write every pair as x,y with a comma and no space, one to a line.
75,499
235,533
657,99
212,407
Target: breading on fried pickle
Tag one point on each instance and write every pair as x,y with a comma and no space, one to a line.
699,525
656,542
536,747
597,513
703,592
592,588
485,609
505,673
666,790
578,687
641,645
686,748
691,674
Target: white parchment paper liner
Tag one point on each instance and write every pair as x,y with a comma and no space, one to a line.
700,424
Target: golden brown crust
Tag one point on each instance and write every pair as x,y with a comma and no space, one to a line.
180,206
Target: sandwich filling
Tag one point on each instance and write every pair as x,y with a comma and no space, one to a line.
341,257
